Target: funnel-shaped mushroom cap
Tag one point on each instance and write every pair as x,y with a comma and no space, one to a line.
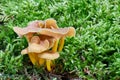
71,32
36,23
50,23
36,45
36,48
49,55
47,27
39,44
57,33
32,27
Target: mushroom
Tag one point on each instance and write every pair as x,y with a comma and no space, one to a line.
43,38
48,56
56,33
38,44
51,23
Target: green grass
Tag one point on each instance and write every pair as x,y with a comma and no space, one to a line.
94,53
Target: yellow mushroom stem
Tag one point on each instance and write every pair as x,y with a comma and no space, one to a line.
54,49
49,62
41,61
33,57
62,40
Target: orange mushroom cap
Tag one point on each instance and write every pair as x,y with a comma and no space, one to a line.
37,46
57,33
47,27
50,23
49,55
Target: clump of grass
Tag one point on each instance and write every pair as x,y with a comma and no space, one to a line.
93,54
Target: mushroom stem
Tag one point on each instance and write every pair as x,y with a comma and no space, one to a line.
54,49
33,58
48,64
41,61
61,44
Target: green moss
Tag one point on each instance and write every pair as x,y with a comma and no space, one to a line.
93,53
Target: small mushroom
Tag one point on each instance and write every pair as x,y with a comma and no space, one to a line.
48,56
51,23
37,46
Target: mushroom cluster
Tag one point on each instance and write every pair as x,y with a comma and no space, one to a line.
45,41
